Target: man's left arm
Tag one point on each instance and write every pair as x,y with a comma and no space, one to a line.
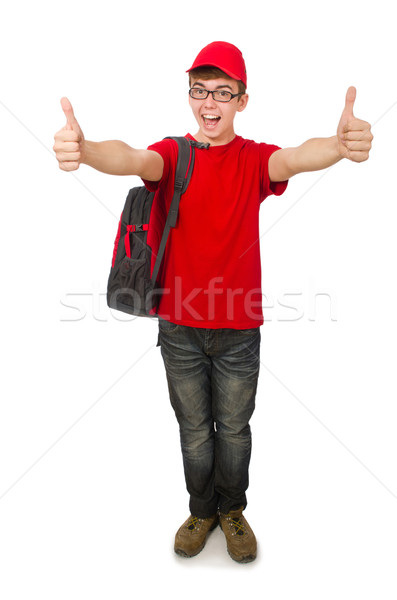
352,140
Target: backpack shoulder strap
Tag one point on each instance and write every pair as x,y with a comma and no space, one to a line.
184,169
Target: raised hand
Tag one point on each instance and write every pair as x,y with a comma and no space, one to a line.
354,135
69,141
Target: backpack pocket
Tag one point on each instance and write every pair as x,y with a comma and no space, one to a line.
130,288
132,279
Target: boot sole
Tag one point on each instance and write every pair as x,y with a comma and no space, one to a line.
244,559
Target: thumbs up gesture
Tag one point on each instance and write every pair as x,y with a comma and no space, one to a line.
353,135
69,141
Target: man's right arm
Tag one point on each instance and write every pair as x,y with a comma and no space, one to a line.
117,158
113,157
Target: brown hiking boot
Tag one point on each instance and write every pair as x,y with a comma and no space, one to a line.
240,539
192,535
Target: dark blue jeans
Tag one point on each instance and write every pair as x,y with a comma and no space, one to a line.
212,378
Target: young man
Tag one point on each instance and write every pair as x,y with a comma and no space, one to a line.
210,317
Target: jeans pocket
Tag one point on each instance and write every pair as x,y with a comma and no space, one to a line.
249,332
168,327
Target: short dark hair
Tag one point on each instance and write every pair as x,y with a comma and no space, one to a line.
208,73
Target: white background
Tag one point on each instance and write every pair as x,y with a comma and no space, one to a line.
91,482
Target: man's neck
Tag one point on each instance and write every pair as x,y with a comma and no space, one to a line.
221,141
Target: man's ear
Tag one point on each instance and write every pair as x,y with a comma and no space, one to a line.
242,102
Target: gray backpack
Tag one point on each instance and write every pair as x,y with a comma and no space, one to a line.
133,284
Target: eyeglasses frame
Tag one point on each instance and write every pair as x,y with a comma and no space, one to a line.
213,92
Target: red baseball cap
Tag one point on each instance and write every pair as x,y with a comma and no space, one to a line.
225,56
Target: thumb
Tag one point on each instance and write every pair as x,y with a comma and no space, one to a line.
69,114
349,102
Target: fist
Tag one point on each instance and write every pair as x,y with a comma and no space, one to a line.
353,135
69,141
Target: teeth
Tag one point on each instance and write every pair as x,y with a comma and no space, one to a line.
210,117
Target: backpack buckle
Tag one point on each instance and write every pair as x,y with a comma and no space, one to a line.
200,145
179,183
140,227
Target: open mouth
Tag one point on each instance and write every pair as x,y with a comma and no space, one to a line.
211,121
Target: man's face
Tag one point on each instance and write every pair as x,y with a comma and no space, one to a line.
215,119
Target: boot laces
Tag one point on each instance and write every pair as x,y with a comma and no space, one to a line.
236,525
194,523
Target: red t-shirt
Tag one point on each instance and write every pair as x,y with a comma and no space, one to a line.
211,268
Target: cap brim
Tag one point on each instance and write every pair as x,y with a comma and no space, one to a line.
232,75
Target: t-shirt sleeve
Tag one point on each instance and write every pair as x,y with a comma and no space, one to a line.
269,187
168,150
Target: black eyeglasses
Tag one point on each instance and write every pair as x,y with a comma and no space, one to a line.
218,95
